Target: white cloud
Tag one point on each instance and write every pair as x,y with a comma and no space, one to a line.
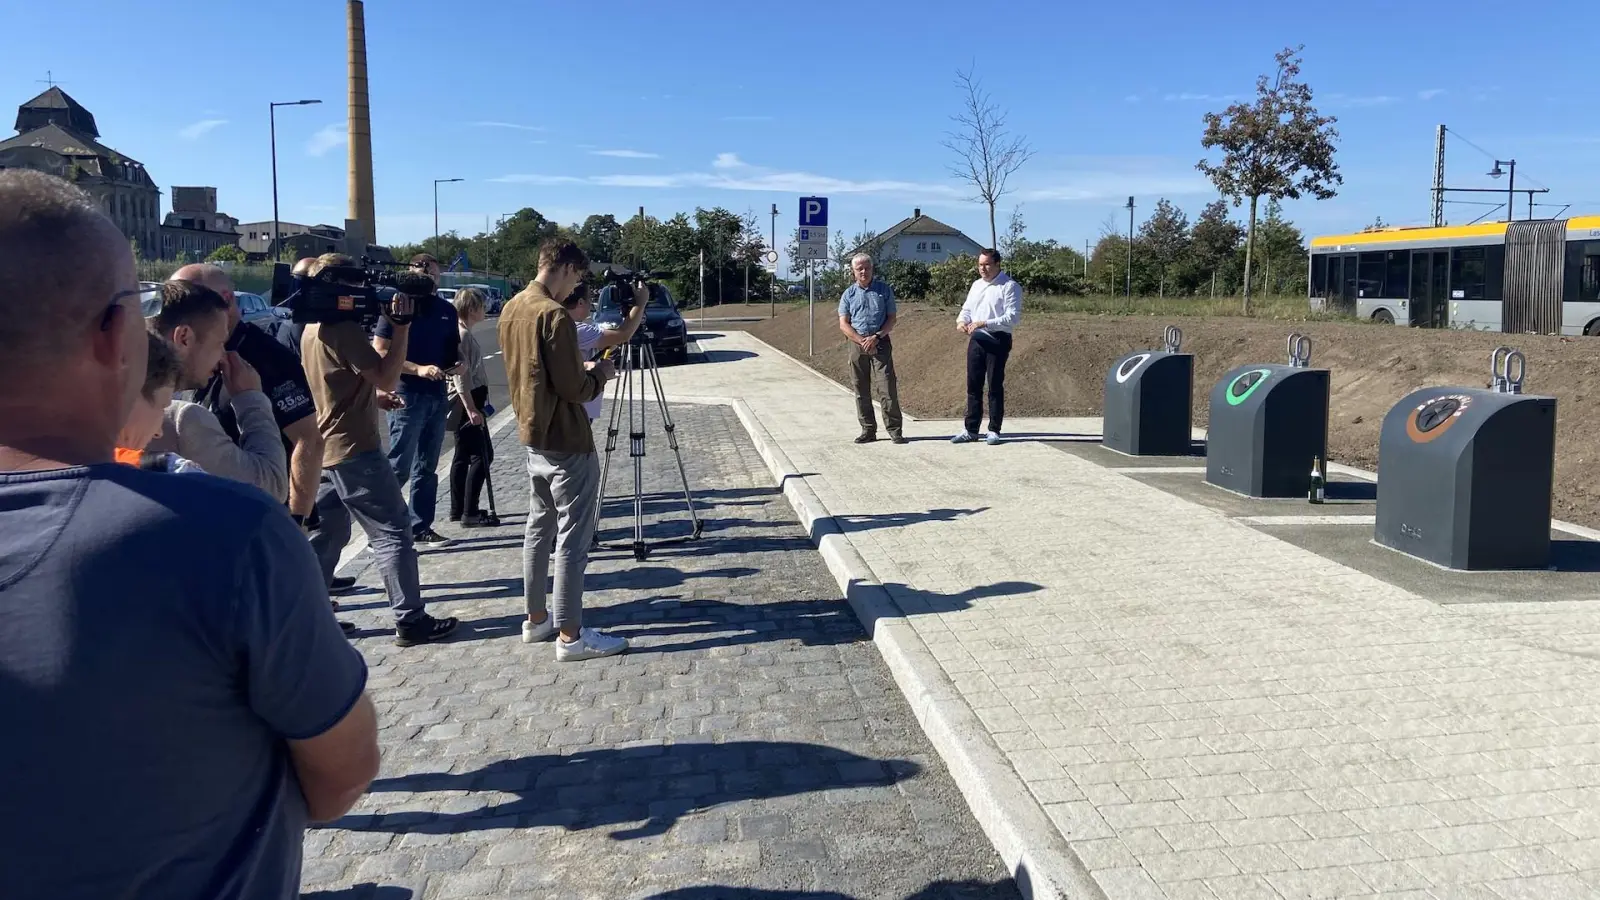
1430,93
330,137
508,125
728,161
193,132
1187,97
626,154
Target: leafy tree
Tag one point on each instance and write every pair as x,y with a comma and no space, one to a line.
1279,146
600,237
1214,244
1165,239
950,279
229,253
987,155
909,278
1016,229
1282,246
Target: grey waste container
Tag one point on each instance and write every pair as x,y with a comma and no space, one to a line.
1268,424
1465,475
1148,409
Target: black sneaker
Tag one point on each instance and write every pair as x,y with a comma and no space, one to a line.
867,437
430,537
896,437
481,520
424,631
348,627
343,585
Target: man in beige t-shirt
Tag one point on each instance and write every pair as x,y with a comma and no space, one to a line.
345,373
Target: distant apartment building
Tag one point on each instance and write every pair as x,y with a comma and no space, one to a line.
55,134
194,229
303,240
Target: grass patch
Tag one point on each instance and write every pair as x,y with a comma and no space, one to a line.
1277,308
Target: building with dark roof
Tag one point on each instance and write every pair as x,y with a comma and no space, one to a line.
923,239
56,134
195,229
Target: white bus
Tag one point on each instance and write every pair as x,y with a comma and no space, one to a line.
1533,277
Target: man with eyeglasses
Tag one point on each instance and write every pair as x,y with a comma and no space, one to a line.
206,711
994,304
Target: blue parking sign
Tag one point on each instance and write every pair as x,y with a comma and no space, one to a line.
814,212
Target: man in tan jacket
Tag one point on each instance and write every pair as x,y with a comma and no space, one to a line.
549,383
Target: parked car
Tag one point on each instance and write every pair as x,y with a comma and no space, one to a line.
150,304
663,327
260,312
496,301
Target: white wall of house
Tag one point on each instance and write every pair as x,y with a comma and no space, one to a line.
931,248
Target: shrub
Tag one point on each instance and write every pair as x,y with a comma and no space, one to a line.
949,281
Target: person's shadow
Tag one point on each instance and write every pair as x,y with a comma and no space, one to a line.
649,787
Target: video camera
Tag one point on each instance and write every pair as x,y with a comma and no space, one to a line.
348,293
622,286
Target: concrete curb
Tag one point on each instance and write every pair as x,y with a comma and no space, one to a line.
1033,849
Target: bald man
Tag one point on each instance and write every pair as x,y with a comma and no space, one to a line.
168,658
283,380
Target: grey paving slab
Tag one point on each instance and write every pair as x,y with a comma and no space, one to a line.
752,745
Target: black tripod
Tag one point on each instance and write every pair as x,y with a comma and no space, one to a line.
636,363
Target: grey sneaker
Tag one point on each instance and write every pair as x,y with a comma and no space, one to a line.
965,437
993,439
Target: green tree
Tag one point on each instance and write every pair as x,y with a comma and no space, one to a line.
1165,239
1215,245
601,238
1279,146
909,278
227,253
1282,248
950,279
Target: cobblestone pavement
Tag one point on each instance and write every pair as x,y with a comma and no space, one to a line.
1202,709
751,745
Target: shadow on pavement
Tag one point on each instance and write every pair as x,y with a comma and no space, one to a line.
938,890
368,891
913,601
812,622
715,356
646,788
848,523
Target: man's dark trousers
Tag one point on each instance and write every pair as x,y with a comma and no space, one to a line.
986,359
861,364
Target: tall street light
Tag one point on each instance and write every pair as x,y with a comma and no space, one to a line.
1130,248
272,125
1511,183
436,183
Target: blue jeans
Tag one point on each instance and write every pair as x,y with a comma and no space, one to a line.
363,487
416,437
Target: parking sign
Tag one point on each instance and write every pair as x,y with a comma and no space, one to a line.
814,212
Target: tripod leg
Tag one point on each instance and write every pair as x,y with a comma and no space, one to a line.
643,364
612,421
671,428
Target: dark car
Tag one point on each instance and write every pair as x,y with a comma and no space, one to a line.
666,331
258,311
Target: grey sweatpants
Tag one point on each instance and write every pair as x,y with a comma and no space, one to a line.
363,487
563,489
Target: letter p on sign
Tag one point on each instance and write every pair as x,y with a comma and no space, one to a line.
814,212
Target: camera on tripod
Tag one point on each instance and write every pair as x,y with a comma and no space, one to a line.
347,293
622,285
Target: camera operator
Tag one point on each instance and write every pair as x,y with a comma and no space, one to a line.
594,340
549,385
194,321
170,660
289,333
416,428
346,372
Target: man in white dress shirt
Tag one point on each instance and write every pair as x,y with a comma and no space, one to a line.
987,318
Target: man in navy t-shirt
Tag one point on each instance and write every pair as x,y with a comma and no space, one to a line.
178,700
416,430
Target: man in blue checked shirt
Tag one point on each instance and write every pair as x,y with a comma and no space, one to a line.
866,316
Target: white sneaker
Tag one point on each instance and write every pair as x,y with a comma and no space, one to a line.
533,634
590,644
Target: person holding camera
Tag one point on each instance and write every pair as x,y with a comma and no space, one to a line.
178,701
417,426
549,383
469,391
346,373
194,321
594,340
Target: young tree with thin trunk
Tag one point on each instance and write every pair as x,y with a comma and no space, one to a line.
987,155
1277,147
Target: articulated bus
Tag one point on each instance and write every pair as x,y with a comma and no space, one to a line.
1529,277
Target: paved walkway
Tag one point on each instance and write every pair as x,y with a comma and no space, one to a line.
1200,709
751,747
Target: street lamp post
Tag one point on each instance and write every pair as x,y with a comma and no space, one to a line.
1130,248
1511,184
272,126
436,183
772,301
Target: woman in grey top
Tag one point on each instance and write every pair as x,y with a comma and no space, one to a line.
468,393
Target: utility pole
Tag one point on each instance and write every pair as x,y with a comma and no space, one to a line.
772,301
1438,180
1130,248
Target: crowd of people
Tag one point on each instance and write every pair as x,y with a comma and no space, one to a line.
176,489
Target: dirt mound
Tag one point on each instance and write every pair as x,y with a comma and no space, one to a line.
1059,362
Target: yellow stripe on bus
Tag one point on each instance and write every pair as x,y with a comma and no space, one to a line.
1408,236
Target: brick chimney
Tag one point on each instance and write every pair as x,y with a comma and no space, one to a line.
916,213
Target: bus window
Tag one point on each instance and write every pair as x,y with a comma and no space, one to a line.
1583,272
1494,278
1397,274
1468,273
1370,276
1319,276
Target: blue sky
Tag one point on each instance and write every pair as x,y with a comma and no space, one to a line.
575,108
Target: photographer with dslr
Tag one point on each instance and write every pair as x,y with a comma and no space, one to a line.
346,373
594,340
416,428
